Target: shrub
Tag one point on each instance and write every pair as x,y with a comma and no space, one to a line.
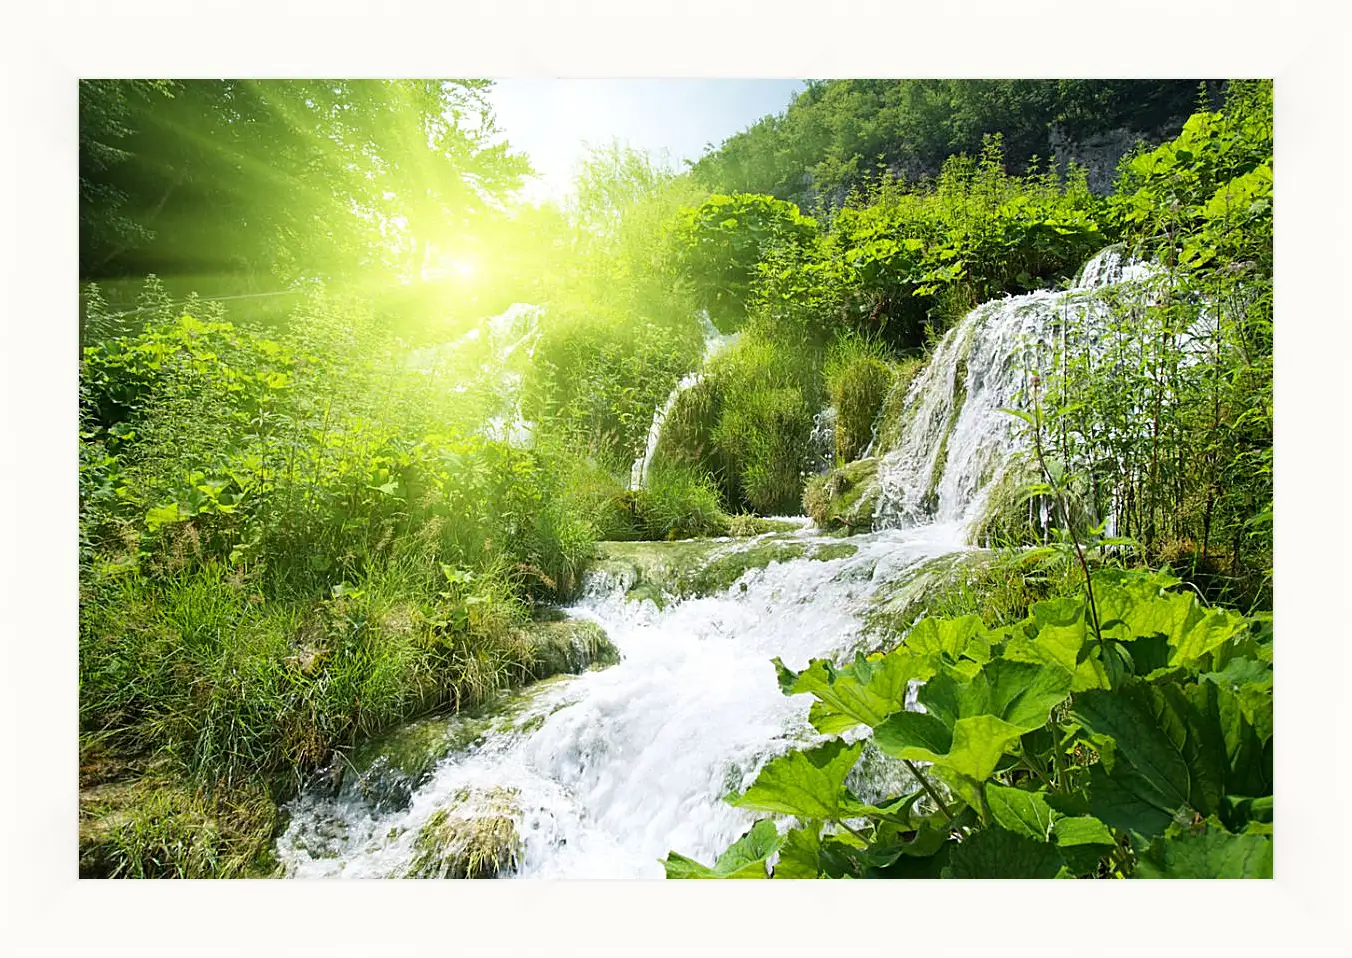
858,378
679,503
749,422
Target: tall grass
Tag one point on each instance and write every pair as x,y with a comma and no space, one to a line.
858,377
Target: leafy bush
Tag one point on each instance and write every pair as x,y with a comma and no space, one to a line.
597,376
1130,736
719,245
679,503
748,423
858,379
1167,412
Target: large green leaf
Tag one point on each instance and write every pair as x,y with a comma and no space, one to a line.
1024,694
1022,812
1248,683
997,853
1211,853
808,784
798,856
1212,629
1126,802
979,742
1131,612
1081,830
1142,779
1083,841
1054,634
962,637
744,858
977,746
913,730
864,692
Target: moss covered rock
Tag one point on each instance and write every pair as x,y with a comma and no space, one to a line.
385,771
473,837
997,586
836,550
891,422
570,646
723,571
845,497
746,525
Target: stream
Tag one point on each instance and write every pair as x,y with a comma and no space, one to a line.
611,769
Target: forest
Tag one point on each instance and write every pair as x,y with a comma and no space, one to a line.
879,496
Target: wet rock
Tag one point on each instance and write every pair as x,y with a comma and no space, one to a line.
474,837
568,647
385,771
845,497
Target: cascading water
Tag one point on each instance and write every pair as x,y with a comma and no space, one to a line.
956,438
714,342
602,774
822,441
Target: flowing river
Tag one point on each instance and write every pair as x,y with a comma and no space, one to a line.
611,769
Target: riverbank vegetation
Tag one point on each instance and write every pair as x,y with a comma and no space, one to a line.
337,486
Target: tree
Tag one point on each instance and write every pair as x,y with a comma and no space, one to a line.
269,181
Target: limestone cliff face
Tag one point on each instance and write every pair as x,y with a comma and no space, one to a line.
1099,153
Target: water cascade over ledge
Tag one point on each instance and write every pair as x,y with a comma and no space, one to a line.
600,775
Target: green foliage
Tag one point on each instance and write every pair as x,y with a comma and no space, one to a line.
1082,740
744,858
291,543
155,829
598,375
1166,413
679,503
719,245
835,134
274,180
748,422
923,256
843,498
858,378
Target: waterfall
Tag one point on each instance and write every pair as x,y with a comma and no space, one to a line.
957,439
600,775
822,441
714,342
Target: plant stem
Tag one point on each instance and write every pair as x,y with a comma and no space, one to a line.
1059,498
929,789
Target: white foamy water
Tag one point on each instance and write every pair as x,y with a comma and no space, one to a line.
957,438
614,768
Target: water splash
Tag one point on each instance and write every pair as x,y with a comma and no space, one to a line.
714,343
822,441
612,769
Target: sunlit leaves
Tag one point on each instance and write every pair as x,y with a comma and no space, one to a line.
1022,812
1208,851
744,858
808,784
866,691
1040,781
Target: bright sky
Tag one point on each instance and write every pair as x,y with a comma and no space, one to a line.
554,120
